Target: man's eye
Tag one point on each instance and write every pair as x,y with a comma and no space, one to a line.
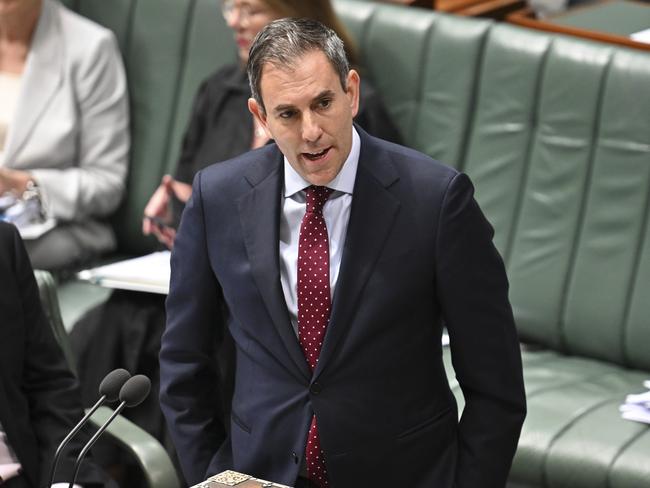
324,103
287,114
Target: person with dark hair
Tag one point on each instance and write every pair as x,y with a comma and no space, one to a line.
333,259
39,395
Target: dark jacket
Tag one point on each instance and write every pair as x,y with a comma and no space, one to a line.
418,252
39,396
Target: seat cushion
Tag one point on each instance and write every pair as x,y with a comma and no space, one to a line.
573,435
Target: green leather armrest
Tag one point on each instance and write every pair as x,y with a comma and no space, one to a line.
151,456
50,303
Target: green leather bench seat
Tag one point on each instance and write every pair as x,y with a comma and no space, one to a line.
554,132
573,436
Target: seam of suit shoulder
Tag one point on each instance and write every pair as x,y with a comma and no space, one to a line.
443,203
199,175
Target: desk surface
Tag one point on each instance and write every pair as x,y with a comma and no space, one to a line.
620,17
611,21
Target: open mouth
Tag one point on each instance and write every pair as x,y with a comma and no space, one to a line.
316,156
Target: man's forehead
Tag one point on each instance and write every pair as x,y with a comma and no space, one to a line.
312,59
306,72
275,67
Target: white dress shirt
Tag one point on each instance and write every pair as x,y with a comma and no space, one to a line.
336,213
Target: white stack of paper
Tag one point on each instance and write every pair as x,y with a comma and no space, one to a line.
637,406
36,230
148,273
641,36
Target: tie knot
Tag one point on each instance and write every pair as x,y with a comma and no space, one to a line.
316,198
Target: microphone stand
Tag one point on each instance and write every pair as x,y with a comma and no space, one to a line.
132,393
92,441
72,433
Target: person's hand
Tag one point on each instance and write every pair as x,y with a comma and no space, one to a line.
158,213
15,180
181,190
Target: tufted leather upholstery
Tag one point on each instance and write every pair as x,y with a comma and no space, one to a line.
555,133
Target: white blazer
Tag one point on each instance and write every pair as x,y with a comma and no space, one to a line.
71,125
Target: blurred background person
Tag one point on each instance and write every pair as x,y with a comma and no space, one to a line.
39,396
221,126
63,125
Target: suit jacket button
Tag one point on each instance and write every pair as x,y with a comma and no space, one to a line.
295,457
315,388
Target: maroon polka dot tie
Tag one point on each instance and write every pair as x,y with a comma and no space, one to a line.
314,307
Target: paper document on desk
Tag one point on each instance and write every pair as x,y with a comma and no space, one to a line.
635,413
37,229
149,273
641,36
637,406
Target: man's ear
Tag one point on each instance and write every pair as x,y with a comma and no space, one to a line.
260,115
353,90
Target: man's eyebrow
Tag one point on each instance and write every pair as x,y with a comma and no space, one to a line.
282,108
317,98
324,94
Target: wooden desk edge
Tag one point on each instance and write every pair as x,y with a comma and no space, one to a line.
498,9
525,17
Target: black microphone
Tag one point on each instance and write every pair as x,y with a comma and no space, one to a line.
133,393
109,390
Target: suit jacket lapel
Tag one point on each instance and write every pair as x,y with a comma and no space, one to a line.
42,77
371,218
260,219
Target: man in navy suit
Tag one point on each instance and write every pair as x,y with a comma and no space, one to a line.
333,259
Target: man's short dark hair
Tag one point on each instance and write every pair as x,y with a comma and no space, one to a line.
282,42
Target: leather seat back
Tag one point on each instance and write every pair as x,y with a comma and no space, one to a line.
555,133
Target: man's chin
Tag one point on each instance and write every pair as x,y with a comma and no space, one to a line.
320,178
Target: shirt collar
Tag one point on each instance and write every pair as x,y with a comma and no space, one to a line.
342,182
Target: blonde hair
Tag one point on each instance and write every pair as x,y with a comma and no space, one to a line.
320,10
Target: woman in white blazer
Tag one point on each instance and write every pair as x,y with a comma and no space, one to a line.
65,125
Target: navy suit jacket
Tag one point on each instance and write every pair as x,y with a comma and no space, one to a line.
418,253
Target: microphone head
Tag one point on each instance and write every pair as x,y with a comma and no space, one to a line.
135,390
112,383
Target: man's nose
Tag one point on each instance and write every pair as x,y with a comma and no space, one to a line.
311,129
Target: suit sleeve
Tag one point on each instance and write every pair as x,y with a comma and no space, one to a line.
94,184
50,387
473,293
189,393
